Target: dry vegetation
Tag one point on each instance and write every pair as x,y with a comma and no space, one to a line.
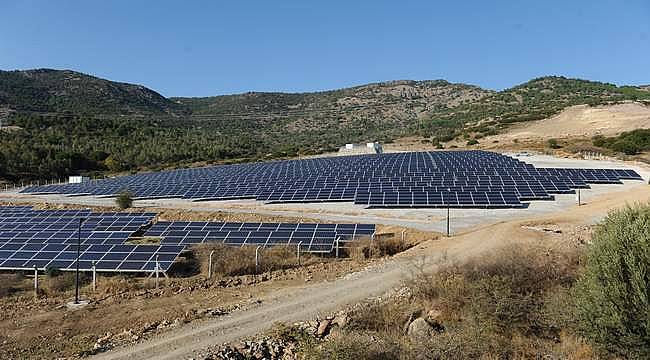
512,303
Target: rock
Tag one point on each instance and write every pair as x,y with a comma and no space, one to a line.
434,319
323,328
341,320
419,329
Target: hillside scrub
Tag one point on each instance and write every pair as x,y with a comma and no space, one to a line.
629,143
613,304
512,303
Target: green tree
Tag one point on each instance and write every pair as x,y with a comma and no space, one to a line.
613,295
124,199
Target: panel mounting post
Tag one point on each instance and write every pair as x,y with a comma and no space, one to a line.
337,246
447,220
257,259
156,271
35,282
210,264
300,243
94,276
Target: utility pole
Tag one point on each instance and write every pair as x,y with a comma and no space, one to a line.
76,285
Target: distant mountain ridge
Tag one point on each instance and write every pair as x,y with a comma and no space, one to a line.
66,122
47,90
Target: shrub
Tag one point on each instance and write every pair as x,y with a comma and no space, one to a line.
368,249
625,146
472,142
52,271
612,302
124,199
354,346
553,144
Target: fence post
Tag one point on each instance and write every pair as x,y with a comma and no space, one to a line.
257,260
94,277
300,243
35,282
447,220
157,271
210,265
337,246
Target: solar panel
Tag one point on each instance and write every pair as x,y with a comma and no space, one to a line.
314,237
349,178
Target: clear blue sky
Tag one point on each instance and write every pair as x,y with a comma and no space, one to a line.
201,48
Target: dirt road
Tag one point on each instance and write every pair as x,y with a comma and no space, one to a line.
308,302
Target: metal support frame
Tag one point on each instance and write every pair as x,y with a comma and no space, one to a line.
578,197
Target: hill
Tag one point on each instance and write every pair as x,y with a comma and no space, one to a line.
65,122
371,112
534,100
56,91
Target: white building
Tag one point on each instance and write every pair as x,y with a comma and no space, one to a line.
78,179
358,149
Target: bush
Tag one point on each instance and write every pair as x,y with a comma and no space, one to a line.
553,144
353,346
625,146
472,142
368,249
124,199
51,271
613,306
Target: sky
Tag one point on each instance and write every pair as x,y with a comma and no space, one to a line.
203,48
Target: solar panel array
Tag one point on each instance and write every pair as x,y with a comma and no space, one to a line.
475,179
315,238
48,238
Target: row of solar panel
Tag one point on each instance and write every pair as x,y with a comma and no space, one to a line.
314,237
162,226
121,258
241,181
467,199
64,237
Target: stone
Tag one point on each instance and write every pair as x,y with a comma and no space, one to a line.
341,320
323,328
419,329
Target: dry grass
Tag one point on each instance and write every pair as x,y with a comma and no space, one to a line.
235,261
119,284
145,240
382,246
12,283
512,303
62,283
